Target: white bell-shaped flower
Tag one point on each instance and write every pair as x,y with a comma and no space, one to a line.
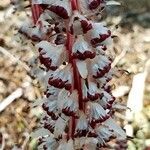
90,91
50,55
104,134
60,126
46,16
48,124
64,145
106,100
93,92
82,68
82,127
61,78
51,108
70,104
100,65
97,114
106,78
51,92
62,8
82,50
70,145
118,131
91,144
48,143
98,34
40,31
26,29
79,24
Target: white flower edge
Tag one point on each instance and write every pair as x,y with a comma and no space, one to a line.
120,133
82,68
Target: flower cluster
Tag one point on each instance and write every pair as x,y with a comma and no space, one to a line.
72,47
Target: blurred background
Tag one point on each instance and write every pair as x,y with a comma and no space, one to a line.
130,24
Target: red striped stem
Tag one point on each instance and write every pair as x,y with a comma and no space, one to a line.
36,11
76,75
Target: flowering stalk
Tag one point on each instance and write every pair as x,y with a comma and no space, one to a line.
72,47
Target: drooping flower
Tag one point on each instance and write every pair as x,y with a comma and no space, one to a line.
62,8
70,104
100,65
106,100
48,143
104,135
97,113
79,24
82,127
61,78
50,55
98,34
82,50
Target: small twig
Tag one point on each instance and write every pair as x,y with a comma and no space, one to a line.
16,94
119,57
14,58
27,136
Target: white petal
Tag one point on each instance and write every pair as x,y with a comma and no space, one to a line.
70,145
62,97
98,29
120,133
97,112
26,28
106,100
55,53
53,91
93,89
59,127
84,7
71,102
46,15
80,45
84,89
104,132
82,68
91,143
61,76
64,4
36,32
82,123
39,133
62,145
52,106
50,142
108,41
